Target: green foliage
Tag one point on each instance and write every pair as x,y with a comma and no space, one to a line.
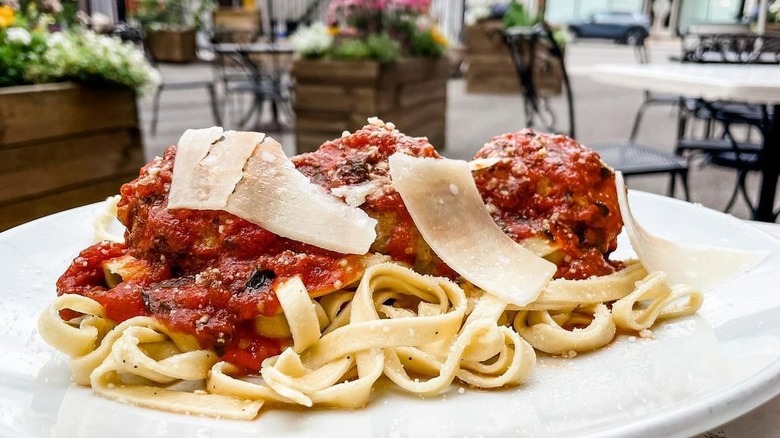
351,50
33,50
517,15
372,29
425,44
383,48
378,47
92,59
171,14
16,57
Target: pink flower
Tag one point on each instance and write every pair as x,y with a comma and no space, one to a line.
416,5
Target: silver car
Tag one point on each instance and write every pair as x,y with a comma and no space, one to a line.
623,27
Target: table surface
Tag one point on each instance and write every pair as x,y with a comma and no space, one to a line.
743,83
764,421
262,47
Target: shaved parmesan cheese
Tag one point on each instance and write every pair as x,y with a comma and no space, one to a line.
457,226
700,266
248,175
356,195
190,187
276,196
483,163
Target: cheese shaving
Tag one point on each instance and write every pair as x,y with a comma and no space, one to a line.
700,266
248,175
483,163
279,198
191,184
356,195
457,226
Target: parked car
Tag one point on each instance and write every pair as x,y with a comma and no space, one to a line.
623,27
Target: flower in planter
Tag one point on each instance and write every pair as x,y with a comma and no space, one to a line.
380,30
155,15
7,16
774,11
18,35
33,51
477,10
90,58
313,41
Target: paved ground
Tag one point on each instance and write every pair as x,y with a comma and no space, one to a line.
603,112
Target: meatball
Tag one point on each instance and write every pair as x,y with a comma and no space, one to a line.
358,162
551,187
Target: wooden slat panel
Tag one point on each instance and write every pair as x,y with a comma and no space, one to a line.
314,96
25,211
408,118
62,110
410,93
365,99
421,93
307,124
479,80
416,70
484,37
44,167
329,72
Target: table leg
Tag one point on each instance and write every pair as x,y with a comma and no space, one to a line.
770,170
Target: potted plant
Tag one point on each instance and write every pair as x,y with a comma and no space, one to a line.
68,116
490,67
170,27
773,17
376,58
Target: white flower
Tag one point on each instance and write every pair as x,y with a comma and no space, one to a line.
100,21
313,40
56,39
476,13
18,35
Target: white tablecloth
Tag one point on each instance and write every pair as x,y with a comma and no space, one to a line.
742,83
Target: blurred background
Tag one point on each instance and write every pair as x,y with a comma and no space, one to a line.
90,90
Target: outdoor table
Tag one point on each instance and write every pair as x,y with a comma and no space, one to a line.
756,84
267,84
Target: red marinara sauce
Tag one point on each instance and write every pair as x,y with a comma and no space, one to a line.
202,272
552,187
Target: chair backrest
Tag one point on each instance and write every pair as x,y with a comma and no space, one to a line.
537,59
731,48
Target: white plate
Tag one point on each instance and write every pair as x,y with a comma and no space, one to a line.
697,373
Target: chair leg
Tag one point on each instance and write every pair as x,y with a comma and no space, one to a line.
213,101
742,184
155,109
672,183
733,197
684,181
683,174
638,121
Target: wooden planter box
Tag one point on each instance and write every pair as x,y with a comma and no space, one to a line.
490,67
178,46
236,25
336,96
63,145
